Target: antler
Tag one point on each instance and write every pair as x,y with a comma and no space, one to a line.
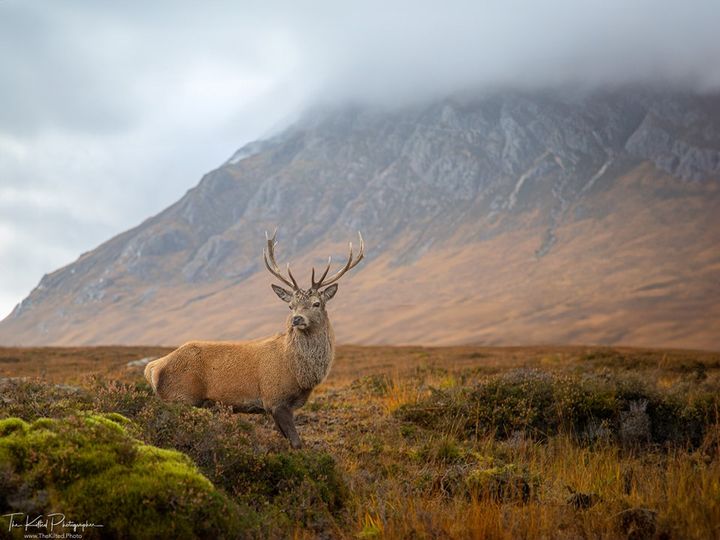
348,266
272,266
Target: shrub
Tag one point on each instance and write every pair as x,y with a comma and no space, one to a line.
521,400
124,398
590,408
30,400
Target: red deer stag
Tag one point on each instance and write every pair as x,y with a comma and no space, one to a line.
274,374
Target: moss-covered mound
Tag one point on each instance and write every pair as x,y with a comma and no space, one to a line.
89,468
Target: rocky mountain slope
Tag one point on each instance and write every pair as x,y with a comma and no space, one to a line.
496,219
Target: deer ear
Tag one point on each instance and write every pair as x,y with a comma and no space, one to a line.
283,295
329,292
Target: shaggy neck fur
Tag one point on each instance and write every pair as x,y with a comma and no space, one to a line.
311,353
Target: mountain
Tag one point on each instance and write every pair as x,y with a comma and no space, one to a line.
505,218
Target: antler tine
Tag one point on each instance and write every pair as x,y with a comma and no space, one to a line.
294,283
351,263
271,264
316,284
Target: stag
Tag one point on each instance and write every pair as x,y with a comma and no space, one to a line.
274,374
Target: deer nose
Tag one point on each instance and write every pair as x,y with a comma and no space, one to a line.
298,320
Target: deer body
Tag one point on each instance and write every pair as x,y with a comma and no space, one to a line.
274,374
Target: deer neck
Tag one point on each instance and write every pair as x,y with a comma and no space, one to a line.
311,353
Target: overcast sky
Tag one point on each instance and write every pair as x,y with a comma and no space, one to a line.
110,111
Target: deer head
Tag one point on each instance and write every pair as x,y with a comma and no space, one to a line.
307,306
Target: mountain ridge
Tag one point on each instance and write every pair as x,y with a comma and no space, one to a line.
458,177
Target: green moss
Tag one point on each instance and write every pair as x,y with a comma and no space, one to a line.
117,418
92,470
10,425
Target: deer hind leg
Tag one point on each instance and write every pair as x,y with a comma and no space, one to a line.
283,417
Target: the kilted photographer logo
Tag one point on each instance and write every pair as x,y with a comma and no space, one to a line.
55,525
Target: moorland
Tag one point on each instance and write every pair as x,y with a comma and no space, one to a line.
400,442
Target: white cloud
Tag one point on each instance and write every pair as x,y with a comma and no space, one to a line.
25,263
111,111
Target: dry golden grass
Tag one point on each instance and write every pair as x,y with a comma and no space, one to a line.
407,479
70,364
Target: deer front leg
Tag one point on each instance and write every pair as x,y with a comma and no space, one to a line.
283,417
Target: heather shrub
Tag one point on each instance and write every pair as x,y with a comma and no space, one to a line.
592,409
121,397
29,399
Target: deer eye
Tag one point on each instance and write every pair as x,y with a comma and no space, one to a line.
316,304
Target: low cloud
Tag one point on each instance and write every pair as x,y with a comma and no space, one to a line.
111,111
411,50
